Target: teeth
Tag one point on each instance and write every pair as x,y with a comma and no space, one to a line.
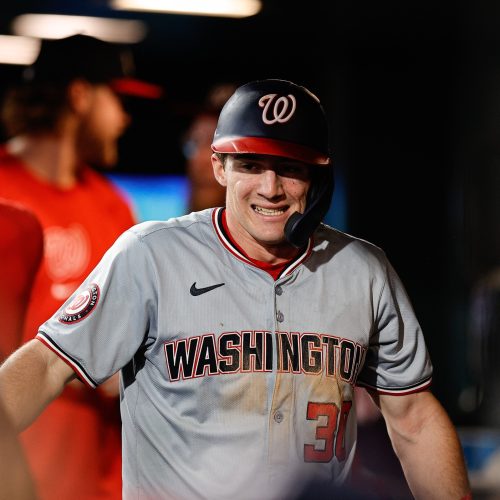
269,211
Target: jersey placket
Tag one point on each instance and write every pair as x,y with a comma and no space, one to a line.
280,423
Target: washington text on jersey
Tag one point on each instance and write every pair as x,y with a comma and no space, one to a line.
253,351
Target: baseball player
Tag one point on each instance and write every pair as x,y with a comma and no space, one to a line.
241,332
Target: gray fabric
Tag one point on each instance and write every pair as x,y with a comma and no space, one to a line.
233,421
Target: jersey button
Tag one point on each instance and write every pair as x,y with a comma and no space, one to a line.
278,417
279,290
279,316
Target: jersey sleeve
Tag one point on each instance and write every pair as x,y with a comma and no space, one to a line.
397,361
102,325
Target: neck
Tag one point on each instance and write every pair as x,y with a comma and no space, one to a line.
50,157
271,253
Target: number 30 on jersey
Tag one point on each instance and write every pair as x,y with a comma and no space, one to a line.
332,433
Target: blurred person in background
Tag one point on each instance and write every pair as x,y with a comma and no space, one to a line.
65,117
204,190
484,347
21,249
482,396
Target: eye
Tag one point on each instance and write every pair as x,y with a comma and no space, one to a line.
249,167
294,170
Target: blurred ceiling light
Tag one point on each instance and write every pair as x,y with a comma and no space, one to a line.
220,8
59,26
18,49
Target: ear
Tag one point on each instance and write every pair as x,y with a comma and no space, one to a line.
219,170
80,94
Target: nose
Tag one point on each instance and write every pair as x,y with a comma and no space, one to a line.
270,186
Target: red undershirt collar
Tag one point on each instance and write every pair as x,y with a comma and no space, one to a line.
273,269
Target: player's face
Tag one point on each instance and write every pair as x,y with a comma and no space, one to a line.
101,125
261,194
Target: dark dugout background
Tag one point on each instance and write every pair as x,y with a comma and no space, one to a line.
412,90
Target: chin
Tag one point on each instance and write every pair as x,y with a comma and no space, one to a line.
109,162
272,240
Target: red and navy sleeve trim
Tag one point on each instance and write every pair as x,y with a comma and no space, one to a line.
398,391
69,360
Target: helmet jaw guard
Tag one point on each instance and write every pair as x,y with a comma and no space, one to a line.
299,227
280,118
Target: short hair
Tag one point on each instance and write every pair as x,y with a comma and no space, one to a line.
222,157
32,108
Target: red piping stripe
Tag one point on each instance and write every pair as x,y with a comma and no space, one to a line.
397,392
81,375
225,243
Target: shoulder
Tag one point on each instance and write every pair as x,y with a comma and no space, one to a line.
97,180
165,241
9,165
15,213
18,223
5,157
108,194
22,231
186,226
99,183
331,241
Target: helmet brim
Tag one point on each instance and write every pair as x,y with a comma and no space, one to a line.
136,88
271,147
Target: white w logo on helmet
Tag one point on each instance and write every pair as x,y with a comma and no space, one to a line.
280,112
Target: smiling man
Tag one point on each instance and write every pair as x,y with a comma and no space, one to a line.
262,193
241,332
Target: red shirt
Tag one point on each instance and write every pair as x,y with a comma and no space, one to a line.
21,250
74,447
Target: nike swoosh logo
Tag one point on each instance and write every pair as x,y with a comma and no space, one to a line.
198,291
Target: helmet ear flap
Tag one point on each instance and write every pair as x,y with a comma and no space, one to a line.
299,226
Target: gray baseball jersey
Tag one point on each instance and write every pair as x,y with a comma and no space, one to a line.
233,384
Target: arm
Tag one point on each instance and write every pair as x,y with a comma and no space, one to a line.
15,479
29,380
426,444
